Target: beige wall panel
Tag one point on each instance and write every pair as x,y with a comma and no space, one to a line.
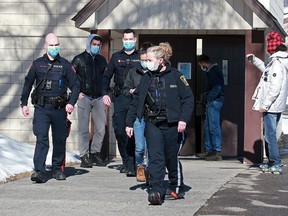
4,66
24,25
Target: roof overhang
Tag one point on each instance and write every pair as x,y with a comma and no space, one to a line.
86,18
86,12
265,16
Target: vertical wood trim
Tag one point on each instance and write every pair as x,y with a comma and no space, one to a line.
252,119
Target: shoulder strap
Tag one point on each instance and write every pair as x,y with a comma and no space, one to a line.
48,69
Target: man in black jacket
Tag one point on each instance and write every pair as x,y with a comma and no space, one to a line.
89,67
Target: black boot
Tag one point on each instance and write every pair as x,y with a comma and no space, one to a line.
38,177
130,171
59,175
215,156
97,160
86,162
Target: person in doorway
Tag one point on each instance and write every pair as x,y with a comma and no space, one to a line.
119,65
90,66
213,100
53,75
166,100
130,84
270,98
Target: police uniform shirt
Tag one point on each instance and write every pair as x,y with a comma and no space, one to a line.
119,66
60,75
179,97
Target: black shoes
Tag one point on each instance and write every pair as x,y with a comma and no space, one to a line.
86,162
154,198
130,172
59,175
96,159
122,169
215,156
38,177
171,195
203,155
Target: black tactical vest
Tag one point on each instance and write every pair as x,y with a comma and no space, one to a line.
157,101
54,81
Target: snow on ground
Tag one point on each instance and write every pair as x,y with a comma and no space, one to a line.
17,157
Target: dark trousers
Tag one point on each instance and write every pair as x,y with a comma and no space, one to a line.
44,117
126,145
163,147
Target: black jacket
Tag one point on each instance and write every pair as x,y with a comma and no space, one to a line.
119,65
61,73
215,84
132,79
179,97
90,71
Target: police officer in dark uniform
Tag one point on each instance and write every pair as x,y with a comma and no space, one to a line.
53,74
120,63
166,100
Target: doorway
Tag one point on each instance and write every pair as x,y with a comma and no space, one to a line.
228,51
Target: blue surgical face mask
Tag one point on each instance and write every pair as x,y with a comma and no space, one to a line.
53,51
95,50
143,65
129,45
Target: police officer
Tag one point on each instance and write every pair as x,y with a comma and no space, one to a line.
130,84
120,63
53,74
166,99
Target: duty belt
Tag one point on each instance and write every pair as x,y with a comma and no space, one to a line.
55,101
162,116
117,90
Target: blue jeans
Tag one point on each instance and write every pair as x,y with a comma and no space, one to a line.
140,142
212,129
270,129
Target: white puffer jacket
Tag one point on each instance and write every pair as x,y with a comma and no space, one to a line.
271,91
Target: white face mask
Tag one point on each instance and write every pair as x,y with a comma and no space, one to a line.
152,66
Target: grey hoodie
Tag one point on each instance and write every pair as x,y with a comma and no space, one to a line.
88,42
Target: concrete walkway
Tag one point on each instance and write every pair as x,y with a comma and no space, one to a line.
104,191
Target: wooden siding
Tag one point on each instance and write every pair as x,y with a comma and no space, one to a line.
171,14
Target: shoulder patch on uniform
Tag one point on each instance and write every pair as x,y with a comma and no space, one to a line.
184,80
30,68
